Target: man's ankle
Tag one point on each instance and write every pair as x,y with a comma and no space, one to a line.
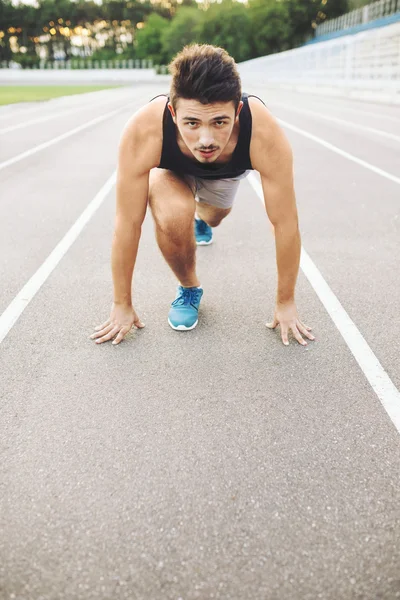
196,285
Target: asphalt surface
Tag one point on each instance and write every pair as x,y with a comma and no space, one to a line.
216,463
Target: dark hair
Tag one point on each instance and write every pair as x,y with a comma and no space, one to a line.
205,73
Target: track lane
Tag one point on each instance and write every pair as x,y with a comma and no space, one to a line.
181,464
379,151
377,115
201,457
29,138
13,114
39,210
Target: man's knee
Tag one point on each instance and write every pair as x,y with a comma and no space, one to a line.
213,221
213,217
177,229
172,204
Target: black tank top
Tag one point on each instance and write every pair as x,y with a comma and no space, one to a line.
172,157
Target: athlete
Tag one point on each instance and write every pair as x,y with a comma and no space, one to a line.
183,155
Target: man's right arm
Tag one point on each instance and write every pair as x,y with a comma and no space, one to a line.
132,193
139,152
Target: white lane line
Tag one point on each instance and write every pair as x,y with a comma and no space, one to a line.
35,149
53,116
312,113
15,113
347,155
363,112
327,103
379,380
30,289
52,103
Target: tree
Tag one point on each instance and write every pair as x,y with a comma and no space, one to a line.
149,39
183,30
7,19
270,26
227,24
304,14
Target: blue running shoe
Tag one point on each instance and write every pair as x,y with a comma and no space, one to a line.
202,232
183,314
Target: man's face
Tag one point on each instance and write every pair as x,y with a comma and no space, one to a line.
205,128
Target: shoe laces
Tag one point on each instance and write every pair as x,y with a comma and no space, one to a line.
187,296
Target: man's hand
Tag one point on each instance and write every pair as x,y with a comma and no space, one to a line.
287,318
121,320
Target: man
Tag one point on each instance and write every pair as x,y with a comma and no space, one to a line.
184,157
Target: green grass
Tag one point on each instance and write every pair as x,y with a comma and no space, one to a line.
27,93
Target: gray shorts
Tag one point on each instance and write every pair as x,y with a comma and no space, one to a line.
217,192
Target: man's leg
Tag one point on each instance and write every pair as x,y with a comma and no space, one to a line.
173,206
215,200
212,215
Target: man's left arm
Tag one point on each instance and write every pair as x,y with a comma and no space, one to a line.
271,156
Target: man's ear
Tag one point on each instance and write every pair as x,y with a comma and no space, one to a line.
239,109
171,110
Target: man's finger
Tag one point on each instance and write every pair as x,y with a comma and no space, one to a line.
100,327
122,333
298,337
305,331
284,335
272,325
138,323
304,325
101,332
108,336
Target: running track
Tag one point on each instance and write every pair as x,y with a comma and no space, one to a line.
213,464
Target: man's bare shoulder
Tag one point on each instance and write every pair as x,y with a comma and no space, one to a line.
143,135
263,120
268,141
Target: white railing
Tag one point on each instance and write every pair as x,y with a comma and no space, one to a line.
366,60
360,16
87,63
